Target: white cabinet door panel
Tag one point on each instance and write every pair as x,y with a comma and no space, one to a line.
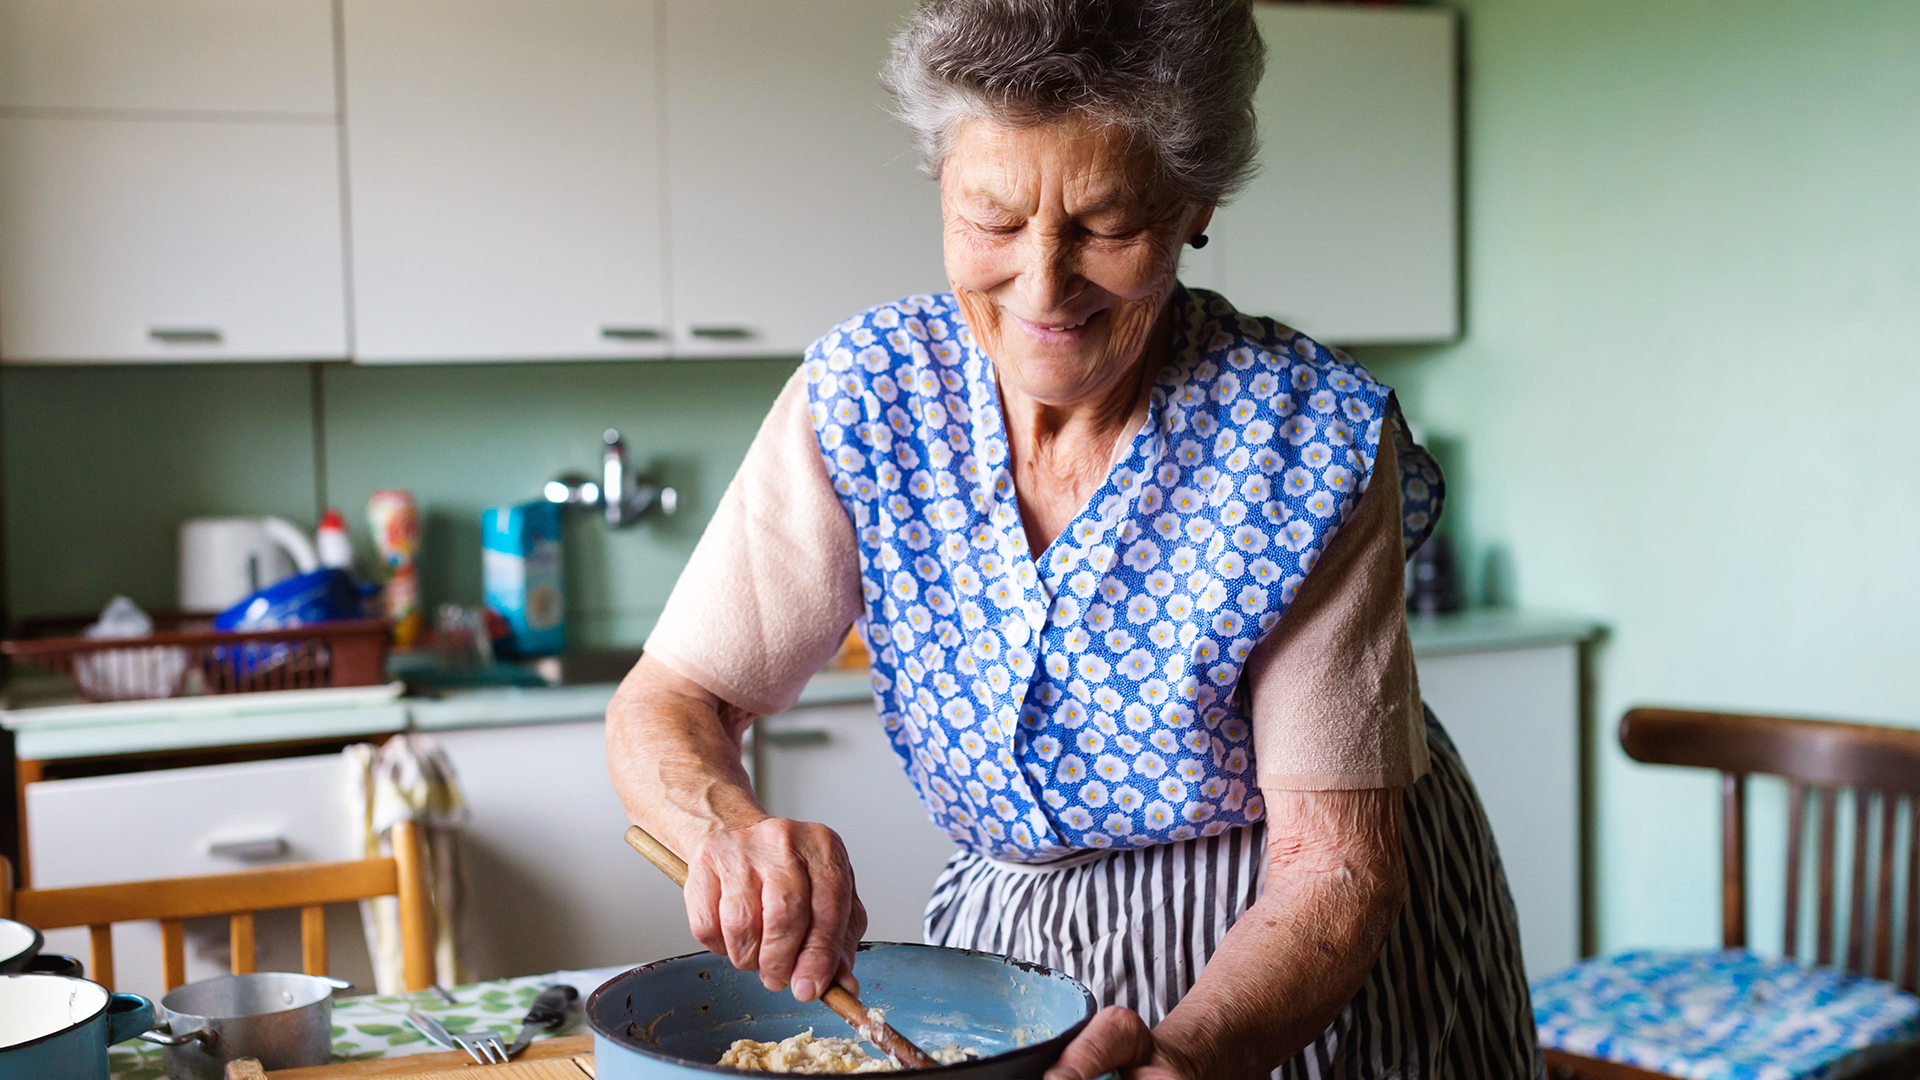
835,765
125,240
504,177
1514,715
1348,232
223,55
794,197
555,885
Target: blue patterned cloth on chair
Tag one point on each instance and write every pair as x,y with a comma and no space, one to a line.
1726,1015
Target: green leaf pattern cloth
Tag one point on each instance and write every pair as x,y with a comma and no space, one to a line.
376,1026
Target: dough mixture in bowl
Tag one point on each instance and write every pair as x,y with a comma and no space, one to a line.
803,1053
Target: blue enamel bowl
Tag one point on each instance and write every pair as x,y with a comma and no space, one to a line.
675,1018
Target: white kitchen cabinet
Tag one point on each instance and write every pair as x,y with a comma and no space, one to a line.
1513,711
554,883
556,886
169,240
505,179
835,765
258,56
794,198
200,820
1349,231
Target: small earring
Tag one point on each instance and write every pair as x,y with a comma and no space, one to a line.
1199,240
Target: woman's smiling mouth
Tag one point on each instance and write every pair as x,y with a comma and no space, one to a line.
1053,331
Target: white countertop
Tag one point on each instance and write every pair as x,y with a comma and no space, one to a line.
76,731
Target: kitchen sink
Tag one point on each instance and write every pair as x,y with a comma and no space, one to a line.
425,676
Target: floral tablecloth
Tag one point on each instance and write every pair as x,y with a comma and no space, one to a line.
376,1026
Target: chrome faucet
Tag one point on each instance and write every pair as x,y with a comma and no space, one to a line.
624,496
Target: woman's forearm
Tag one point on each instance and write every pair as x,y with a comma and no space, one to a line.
772,895
673,750
1336,880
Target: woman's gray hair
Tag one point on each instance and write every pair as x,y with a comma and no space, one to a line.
1176,75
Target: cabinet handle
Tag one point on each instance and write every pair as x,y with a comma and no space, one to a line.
721,333
630,333
184,335
795,740
273,847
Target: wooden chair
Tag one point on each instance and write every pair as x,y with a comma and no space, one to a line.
309,887
1819,760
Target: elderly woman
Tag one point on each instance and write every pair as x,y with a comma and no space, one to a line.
1128,564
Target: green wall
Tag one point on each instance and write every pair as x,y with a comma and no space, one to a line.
103,463
1685,402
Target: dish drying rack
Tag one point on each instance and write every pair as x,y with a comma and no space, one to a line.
189,658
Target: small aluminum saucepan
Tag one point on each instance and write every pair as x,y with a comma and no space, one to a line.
284,1019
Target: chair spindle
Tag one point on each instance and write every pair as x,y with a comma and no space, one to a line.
1911,968
240,938
1857,938
313,939
1883,895
173,954
1733,860
1796,831
100,954
1823,923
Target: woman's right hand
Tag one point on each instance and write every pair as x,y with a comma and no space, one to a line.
777,897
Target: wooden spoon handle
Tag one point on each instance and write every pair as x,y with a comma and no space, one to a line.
844,1004
659,854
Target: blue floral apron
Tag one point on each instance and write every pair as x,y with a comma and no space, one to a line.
1085,699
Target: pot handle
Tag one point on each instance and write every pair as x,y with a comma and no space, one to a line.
128,1015
337,984
164,1034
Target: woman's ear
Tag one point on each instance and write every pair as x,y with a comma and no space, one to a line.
1197,228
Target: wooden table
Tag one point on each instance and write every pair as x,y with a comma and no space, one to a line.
566,1057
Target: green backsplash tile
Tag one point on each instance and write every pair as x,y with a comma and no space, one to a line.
472,436
103,463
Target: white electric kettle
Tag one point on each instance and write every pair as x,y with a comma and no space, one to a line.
224,560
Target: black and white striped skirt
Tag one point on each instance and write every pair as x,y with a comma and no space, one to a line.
1447,998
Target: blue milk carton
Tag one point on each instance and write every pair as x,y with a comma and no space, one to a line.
520,563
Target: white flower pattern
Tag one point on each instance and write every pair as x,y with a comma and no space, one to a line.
1021,695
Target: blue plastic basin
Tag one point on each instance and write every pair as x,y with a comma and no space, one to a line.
674,1018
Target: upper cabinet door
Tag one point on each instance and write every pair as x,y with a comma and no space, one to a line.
1349,231
504,179
273,56
169,240
795,198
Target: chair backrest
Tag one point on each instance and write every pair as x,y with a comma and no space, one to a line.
307,886
1823,762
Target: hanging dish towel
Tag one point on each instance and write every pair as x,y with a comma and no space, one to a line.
408,778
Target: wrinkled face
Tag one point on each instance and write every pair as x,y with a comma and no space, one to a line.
1061,255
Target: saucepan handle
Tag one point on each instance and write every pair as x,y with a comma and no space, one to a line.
164,1034
127,1015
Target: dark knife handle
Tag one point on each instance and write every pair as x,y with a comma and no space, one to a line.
550,1008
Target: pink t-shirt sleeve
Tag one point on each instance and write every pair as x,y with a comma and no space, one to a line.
774,583
1335,699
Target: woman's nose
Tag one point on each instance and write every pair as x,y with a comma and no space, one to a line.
1048,276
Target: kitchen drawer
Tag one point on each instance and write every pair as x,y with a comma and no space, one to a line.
166,824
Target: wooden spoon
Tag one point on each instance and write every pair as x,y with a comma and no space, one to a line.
871,1028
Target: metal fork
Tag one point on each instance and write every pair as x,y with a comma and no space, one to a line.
484,1048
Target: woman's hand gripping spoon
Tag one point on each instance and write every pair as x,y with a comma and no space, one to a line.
872,1029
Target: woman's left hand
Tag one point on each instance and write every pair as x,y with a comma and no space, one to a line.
1117,1040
